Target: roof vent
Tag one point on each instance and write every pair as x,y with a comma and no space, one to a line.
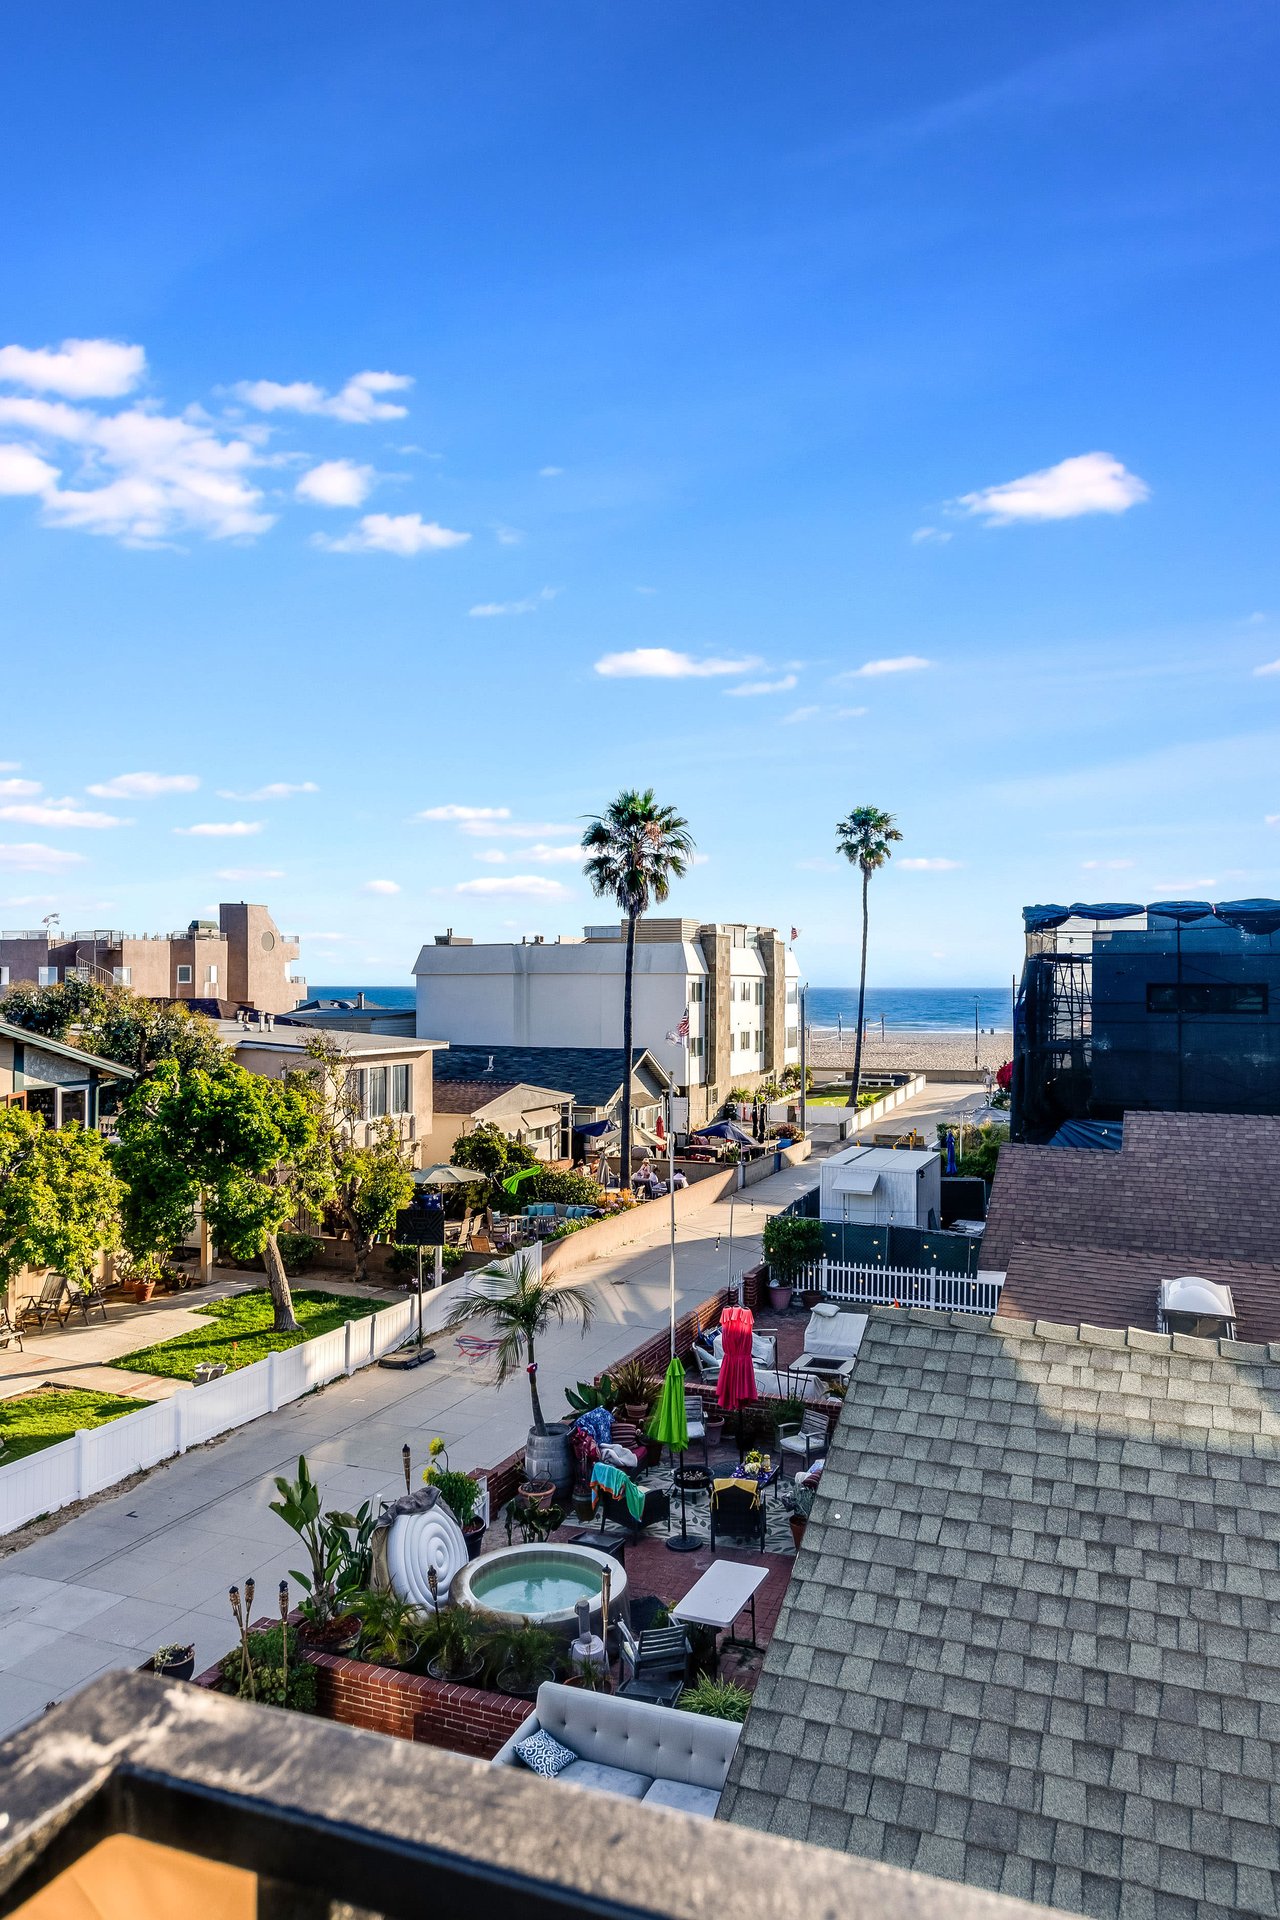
1200,1307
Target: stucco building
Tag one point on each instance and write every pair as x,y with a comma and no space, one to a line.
241,959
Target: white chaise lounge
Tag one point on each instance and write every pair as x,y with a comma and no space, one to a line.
627,1747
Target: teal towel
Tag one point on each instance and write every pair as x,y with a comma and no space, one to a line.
613,1480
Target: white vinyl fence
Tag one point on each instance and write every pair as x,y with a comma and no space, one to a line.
98,1457
904,1287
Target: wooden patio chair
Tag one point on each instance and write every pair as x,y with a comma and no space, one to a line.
9,1329
89,1298
49,1304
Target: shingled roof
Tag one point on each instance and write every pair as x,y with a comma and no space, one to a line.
1030,1640
592,1074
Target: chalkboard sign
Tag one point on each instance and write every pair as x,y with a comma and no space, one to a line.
420,1227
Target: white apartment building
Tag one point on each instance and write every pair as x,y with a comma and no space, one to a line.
740,984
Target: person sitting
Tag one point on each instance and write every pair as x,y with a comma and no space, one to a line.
678,1181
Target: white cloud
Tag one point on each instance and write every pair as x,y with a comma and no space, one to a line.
221,829
550,473
516,829
20,789
492,856
1106,866
526,886
1087,483
508,536
144,786
748,688
851,713
1271,666
336,483
22,471
400,533
357,402
58,813
921,865
876,669
274,790
663,663
380,886
453,812
141,475
798,714
1273,819
922,535
494,609
251,873
81,369
701,859
28,856
552,856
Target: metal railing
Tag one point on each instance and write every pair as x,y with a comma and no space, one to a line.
929,1287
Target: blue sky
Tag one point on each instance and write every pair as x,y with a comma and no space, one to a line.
482,407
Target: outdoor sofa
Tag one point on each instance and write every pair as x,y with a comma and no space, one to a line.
631,1749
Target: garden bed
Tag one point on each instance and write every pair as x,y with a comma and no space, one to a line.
241,1332
30,1421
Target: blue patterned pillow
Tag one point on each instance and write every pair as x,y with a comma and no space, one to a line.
545,1755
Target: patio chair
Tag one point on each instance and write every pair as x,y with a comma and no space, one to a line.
89,1298
49,1303
739,1513
614,1511
9,1329
654,1663
811,1440
708,1364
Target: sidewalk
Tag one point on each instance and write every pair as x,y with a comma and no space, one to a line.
154,1564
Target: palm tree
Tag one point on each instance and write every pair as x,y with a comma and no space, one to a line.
637,848
866,840
521,1305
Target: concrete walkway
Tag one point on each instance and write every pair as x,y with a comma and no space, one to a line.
152,1565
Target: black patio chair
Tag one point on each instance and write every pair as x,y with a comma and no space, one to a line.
88,1297
654,1663
739,1513
614,1511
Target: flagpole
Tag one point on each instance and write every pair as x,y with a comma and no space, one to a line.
671,1193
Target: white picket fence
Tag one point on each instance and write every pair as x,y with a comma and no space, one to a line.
99,1457
874,1286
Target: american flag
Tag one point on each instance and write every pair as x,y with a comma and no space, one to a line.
682,1031
795,933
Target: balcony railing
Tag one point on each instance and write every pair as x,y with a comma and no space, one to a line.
323,1814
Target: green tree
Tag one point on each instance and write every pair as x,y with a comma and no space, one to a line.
116,1025
520,1304
51,1011
866,838
365,1185
490,1152
636,849
246,1143
59,1197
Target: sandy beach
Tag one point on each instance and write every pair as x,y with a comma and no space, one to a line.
931,1053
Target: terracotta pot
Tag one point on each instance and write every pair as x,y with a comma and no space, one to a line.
538,1493
637,1415
779,1297
715,1429
797,1523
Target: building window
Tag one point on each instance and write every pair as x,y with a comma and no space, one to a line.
184,976
47,976
212,976
696,990
759,1041
759,993
355,1092
697,1046
793,1038
744,1043
123,976
1203,999
4,976
401,1090
376,1087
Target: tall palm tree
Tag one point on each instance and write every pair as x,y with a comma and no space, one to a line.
865,838
521,1305
637,848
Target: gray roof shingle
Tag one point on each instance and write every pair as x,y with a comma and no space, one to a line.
1030,1641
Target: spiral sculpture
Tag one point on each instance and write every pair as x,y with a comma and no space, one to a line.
419,1541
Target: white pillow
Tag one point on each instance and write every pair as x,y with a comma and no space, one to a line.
544,1754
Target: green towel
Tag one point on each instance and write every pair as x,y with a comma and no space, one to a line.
613,1480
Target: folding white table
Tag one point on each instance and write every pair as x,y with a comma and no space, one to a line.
725,1590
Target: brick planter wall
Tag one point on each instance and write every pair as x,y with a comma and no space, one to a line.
412,1706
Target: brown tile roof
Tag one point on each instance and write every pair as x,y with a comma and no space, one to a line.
1200,1185
468,1096
1101,1288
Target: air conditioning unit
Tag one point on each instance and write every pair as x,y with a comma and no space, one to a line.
1200,1307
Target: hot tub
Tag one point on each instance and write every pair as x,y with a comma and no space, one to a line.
540,1583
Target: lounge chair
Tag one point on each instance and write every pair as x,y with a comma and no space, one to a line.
49,1304
614,1511
89,1298
739,1513
9,1330
810,1443
654,1663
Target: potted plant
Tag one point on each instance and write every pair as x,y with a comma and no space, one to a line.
790,1244
535,1523
634,1390
719,1699
713,1421
175,1662
338,1545
538,1493
521,1303
461,1495
453,1640
268,1667
521,1658
390,1628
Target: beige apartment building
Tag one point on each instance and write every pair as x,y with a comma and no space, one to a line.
240,960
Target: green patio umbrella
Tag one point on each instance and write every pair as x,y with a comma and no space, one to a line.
513,1180
670,1427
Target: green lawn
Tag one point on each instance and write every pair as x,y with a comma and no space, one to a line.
34,1420
241,1332
866,1098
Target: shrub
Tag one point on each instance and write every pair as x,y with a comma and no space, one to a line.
791,1243
459,1492
299,1251
490,1153
634,1385
405,1259
718,1699
565,1189
266,1656
390,1628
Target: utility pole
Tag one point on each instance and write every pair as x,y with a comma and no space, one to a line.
804,1060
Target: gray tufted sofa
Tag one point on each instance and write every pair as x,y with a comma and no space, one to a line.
627,1747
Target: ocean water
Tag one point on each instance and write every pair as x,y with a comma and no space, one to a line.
917,1009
